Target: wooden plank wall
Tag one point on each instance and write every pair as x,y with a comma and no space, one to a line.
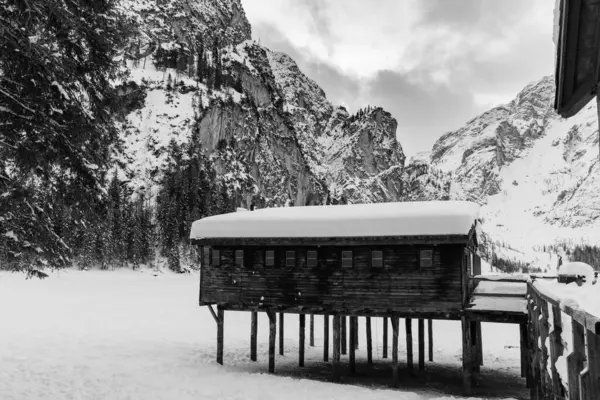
400,285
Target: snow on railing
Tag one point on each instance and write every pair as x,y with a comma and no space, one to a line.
563,347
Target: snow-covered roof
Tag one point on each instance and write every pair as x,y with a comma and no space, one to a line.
427,218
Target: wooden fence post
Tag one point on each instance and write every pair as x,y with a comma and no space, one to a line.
385,338
591,375
369,342
253,333
575,359
556,350
544,333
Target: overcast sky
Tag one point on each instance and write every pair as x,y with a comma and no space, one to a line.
433,64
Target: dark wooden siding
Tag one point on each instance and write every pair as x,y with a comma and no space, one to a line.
401,285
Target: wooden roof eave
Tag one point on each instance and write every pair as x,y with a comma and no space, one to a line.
335,241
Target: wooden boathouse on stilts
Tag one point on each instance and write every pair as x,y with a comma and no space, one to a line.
411,260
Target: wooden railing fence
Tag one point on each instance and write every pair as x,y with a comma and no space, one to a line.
547,344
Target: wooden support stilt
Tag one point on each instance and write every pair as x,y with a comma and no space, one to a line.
343,333
352,345
325,337
556,350
253,333
356,333
524,350
301,336
421,333
369,342
395,329
474,347
336,347
281,326
430,341
576,358
312,330
467,357
409,344
272,333
385,337
220,333
479,346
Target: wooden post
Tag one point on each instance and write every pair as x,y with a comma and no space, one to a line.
301,335
430,342
343,333
544,332
352,345
467,357
356,333
369,342
336,347
253,333
395,328
556,350
479,346
421,333
575,359
220,333
385,337
409,344
524,352
592,373
325,337
312,330
272,334
281,333
474,347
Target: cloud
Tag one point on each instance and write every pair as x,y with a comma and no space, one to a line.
434,64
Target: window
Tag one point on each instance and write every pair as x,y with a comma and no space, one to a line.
205,255
425,258
239,258
347,259
377,259
311,258
270,258
215,259
290,258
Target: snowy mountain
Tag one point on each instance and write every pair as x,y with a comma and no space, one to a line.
274,137
536,175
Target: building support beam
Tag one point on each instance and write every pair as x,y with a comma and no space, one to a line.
369,342
352,345
409,345
336,347
430,341
281,326
253,334
395,329
272,334
385,337
325,337
421,324
301,333
312,330
220,333
467,356
343,334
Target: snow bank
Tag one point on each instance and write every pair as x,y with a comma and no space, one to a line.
586,297
577,268
355,220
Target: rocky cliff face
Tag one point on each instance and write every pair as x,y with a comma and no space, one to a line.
270,130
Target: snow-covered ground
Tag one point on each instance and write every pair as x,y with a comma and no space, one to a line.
132,335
